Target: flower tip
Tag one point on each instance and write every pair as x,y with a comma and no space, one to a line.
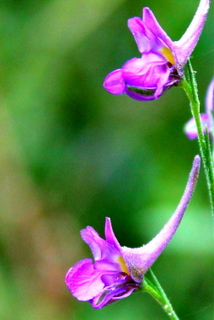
184,47
196,166
197,161
193,177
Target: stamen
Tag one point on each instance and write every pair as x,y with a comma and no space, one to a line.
123,265
167,53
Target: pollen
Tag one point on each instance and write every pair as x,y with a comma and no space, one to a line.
123,265
167,53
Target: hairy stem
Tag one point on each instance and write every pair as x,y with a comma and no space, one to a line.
156,291
192,93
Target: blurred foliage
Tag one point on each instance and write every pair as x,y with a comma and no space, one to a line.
72,154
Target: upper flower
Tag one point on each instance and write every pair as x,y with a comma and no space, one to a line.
162,62
118,271
206,118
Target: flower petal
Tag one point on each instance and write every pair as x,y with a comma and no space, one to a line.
146,77
153,25
113,293
100,248
84,281
92,238
144,38
109,234
114,82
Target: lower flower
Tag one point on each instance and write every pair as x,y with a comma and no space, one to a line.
118,271
108,279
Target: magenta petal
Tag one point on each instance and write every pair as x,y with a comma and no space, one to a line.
100,248
113,293
153,25
84,281
145,72
146,78
92,238
161,84
114,82
110,236
144,38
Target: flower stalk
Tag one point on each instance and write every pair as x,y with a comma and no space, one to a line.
204,144
157,292
116,271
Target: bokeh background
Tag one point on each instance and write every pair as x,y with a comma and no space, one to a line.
71,154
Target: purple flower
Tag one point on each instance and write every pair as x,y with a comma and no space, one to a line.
206,118
162,62
118,271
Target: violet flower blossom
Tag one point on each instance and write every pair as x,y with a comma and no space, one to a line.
118,271
163,60
206,118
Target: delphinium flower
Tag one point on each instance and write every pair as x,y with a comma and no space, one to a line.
206,118
161,65
118,271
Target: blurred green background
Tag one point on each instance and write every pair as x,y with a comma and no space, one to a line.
71,154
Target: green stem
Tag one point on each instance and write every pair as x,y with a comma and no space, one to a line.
192,93
157,292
